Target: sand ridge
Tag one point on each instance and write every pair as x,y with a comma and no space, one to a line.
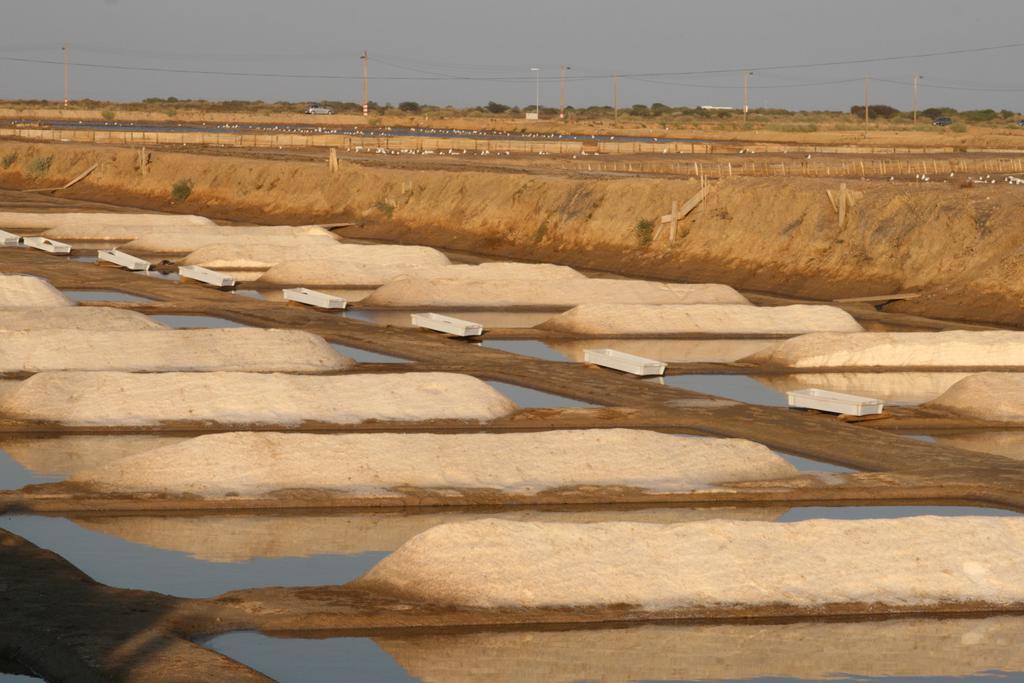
26,291
95,318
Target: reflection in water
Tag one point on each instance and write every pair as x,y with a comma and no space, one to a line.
531,398
102,295
250,293
735,387
488,319
240,537
1009,444
669,350
361,356
799,514
808,465
797,651
349,295
14,475
899,388
188,321
67,455
526,347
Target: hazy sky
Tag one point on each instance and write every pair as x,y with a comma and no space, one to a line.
415,47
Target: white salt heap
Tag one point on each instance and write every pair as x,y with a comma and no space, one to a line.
98,220
186,243
312,256
26,291
242,398
76,318
995,396
421,292
124,232
242,349
335,273
907,562
65,455
638,320
957,348
894,388
257,463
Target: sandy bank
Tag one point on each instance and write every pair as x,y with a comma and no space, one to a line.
957,348
996,396
609,320
419,292
313,256
240,350
255,463
329,273
96,221
76,318
240,537
238,398
898,562
125,233
185,243
25,291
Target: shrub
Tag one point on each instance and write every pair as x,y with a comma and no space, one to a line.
107,115
540,232
497,108
39,166
9,160
384,207
412,107
644,231
181,190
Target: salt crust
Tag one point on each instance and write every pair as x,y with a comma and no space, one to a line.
27,291
995,396
314,257
636,320
76,318
242,398
957,348
335,273
419,292
257,463
126,232
907,562
98,220
235,349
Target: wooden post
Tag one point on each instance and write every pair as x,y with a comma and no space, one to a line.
674,223
143,161
333,160
842,204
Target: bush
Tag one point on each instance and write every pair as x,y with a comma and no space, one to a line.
875,111
644,231
39,166
384,207
409,106
107,115
9,160
496,107
181,190
979,115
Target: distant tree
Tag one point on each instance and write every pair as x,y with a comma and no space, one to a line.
497,108
658,109
979,115
639,110
412,107
875,111
935,112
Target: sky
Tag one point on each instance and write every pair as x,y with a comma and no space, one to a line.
469,52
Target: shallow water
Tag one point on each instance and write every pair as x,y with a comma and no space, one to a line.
102,295
188,321
532,398
890,512
1008,443
14,475
487,318
735,387
891,650
669,350
895,388
808,465
526,347
363,356
251,293
349,295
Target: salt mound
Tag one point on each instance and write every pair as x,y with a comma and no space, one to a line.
331,273
243,349
894,388
26,291
99,220
65,455
241,398
257,256
257,463
994,396
76,318
908,562
186,243
640,320
132,231
957,348
421,292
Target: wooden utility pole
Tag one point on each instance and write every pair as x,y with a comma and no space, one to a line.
615,94
866,106
366,84
746,93
64,49
916,78
561,91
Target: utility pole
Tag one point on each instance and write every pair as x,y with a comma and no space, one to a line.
615,94
64,49
917,77
561,91
536,71
865,106
366,84
746,93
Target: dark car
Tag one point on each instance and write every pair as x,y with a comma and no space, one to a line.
1021,123
942,121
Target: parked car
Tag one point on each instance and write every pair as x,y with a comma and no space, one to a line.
317,108
942,121
1021,123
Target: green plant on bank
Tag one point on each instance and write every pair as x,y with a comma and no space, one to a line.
644,231
9,160
181,190
540,232
386,208
107,115
39,166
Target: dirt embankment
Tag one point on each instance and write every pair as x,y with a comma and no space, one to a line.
962,247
